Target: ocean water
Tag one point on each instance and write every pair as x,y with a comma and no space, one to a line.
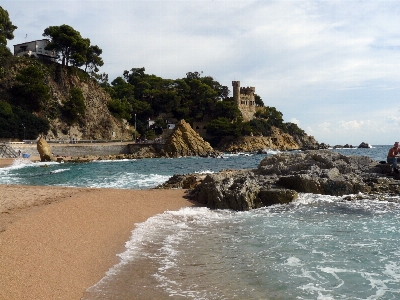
319,247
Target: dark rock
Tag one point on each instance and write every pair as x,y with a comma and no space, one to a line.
279,178
276,196
178,181
364,145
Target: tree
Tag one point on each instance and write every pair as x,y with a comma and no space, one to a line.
30,91
120,108
68,43
228,109
273,116
93,59
6,27
223,127
258,100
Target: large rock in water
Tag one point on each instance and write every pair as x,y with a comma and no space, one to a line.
184,141
279,179
44,150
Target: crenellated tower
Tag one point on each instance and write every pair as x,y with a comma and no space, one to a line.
236,91
245,100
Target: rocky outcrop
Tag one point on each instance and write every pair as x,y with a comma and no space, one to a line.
44,150
184,141
280,177
98,123
278,140
364,145
179,181
307,142
239,190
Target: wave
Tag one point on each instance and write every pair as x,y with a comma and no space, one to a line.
112,160
58,171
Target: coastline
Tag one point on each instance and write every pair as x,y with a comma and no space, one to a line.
56,242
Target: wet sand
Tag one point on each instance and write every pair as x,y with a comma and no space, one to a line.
6,162
56,242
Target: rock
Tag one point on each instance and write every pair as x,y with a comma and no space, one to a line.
277,196
178,181
224,191
323,146
277,140
145,152
280,177
44,150
364,145
184,141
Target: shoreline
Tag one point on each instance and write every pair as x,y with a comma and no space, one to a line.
56,242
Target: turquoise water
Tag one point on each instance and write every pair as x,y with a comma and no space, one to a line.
125,174
319,247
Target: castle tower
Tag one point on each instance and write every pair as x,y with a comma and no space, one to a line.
236,92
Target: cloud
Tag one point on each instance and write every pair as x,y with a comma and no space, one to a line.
334,67
295,121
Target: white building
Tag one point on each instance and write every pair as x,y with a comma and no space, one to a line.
35,48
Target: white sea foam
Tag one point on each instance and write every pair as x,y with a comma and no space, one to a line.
127,181
112,160
204,172
21,163
58,171
293,261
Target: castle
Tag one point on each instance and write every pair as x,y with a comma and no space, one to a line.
244,98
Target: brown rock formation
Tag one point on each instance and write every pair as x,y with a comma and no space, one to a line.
44,150
278,140
184,141
98,123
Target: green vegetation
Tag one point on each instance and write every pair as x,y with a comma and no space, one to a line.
6,27
74,107
193,98
25,96
72,48
30,92
16,122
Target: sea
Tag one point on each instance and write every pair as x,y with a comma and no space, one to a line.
318,247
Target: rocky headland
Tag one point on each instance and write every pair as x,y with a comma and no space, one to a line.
279,179
184,141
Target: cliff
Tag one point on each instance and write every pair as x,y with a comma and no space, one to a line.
97,123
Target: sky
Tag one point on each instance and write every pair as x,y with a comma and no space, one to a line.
332,67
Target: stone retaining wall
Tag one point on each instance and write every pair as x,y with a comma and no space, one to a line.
75,150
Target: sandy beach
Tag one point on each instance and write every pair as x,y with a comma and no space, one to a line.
56,242
6,162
